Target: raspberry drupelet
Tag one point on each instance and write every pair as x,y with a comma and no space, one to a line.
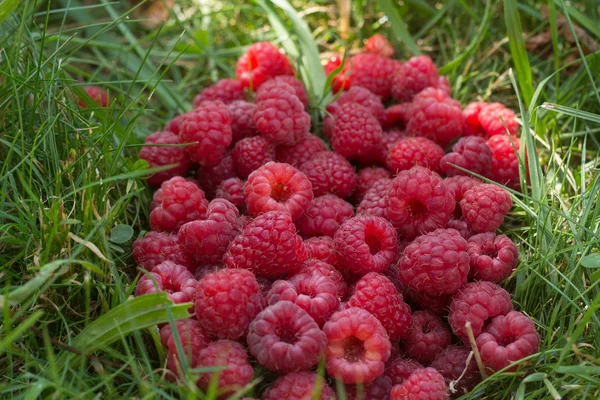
173,279
329,172
242,120
484,207
505,160
232,190
428,336
299,386
322,268
378,44
156,247
366,179
357,134
415,75
321,248
324,216
451,363
225,90
211,176
251,153
399,369
301,152
373,72
158,155
423,384
261,62
411,151
493,258
375,201
471,153
178,202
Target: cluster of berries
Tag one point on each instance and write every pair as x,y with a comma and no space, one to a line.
356,252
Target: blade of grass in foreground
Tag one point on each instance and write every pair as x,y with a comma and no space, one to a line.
514,32
399,26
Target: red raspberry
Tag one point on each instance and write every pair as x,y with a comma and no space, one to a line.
340,81
324,216
493,258
268,246
443,84
301,152
378,44
280,115
507,339
179,201
174,125
435,116
321,268
278,187
321,248
225,90
398,115
357,346
427,337
375,201
363,97
98,95
204,270
299,386
505,160
411,151
366,244
471,124
366,179
461,226
471,153
484,207
192,338
400,369
250,153
373,72
329,172
211,176
297,85
262,61
285,338
419,201
423,384
436,304
174,279
459,185
388,140
435,263
477,303
489,119
232,189
242,120
452,362
379,389
238,373
357,134
157,156
415,75
156,247
376,294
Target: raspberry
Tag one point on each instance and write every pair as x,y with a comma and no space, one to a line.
461,226
204,270
436,304
376,294
329,172
357,134
299,386
459,185
398,115
242,120
505,160
280,115
419,201
415,75
411,151
379,389
321,248
375,201
477,303
451,363
471,153
156,247
340,81
378,44
471,124
174,279
301,152
435,116
400,369
373,72
388,140
285,338
192,337
493,258
435,263
98,95
232,189
321,268
427,337
225,90
366,244
357,346
297,85
174,125
443,84
324,216
366,179
507,339
489,119
158,156
278,187
238,373
262,61
268,246
484,207
211,176
179,202
243,221
423,384
250,153
360,96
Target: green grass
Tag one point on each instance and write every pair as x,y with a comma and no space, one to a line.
72,199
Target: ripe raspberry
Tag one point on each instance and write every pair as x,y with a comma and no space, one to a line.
238,373
225,90
363,97
324,216
435,263
443,84
423,384
471,153
415,75
301,152
451,363
484,207
435,116
280,115
461,226
299,386
357,346
366,179
204,270
268,246
507,339
489,119
179,202
436,304
174,279
156,247
192,337
373,72
211,176
321,268
493,258
278,187
388,140
376,294
357,134
471,124
262,61
477,303
242,120
505,160
378,44
329,172
321,248
232,190
250,153
98,95
427,337
157,156
459,185
174,125
419,201
379,389
297,85
209,127
375,201
400,369
366,244
398,115
411,151
285,338
340,81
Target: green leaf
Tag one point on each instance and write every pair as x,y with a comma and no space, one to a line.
514,31
7,7
121,234
399,26
591,261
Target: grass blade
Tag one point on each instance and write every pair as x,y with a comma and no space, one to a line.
399,26
7,7
514,31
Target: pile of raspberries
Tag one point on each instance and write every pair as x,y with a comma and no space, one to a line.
369,246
